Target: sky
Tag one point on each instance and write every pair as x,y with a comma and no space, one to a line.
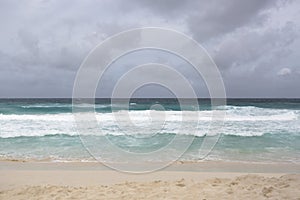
254,43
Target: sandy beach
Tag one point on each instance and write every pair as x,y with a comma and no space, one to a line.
33,180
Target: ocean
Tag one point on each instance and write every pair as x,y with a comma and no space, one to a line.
254,130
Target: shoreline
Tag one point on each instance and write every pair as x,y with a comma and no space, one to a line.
201,166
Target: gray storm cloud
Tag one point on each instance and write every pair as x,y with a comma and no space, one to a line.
254,43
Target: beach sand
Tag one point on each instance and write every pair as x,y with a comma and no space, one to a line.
31,180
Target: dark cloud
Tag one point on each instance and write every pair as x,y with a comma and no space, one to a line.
225,16
249,47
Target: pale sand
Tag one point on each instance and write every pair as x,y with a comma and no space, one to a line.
197,181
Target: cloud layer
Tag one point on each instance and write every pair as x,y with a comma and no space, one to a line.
254,43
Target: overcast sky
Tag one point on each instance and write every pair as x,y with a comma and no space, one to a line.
255,43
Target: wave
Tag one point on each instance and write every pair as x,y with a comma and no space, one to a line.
235,114
239,121
58,105
47,106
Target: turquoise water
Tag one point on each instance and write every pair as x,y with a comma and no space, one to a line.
255,130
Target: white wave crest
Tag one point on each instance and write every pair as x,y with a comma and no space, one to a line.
242,121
